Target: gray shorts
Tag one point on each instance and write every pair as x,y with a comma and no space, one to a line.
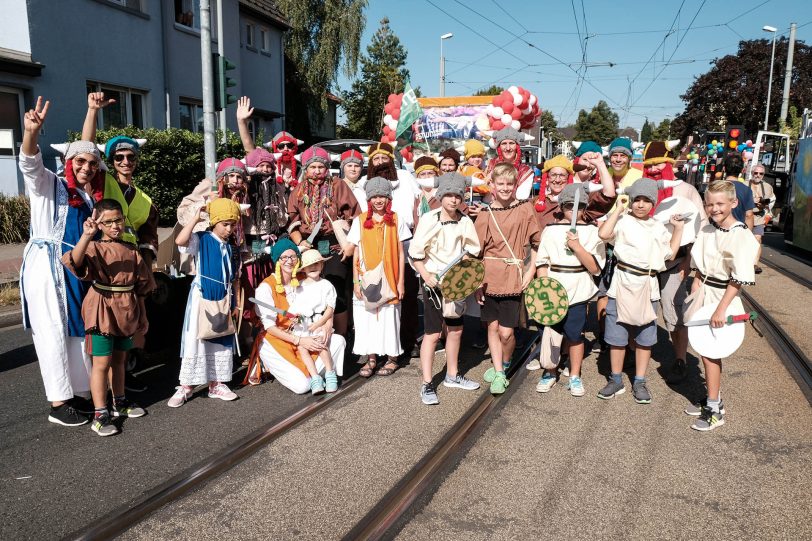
618,334
672,295
758,230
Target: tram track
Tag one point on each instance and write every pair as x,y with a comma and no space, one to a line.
392,511
788,273
126,516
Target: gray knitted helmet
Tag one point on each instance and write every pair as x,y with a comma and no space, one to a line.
378,186
81,147
568,194
452,183
508,133
643,187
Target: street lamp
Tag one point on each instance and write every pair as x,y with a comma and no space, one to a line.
774,30
442,62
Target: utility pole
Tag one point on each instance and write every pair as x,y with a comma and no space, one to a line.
788,75
209,141
221,45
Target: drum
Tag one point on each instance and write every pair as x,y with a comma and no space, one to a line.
715,343
679,205
462,279
546,300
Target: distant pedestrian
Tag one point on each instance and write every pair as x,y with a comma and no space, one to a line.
733,165
764,199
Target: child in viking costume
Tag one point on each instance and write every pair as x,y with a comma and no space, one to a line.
505,231
642,246
425,171
113,310
378,235
722,256
207,341
573,258
441,236
314,303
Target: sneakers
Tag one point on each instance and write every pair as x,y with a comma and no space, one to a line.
577,386
133,384
597,346
640,392
708,420
82,405
611,390
695,410
500,384
546,382
429,394
316,385
461,382
331,382
103,425
677,373
128,409
66,415
533,365
566,372
180,397
489,375
222,392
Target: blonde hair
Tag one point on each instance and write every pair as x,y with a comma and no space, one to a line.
280,287
722,186
505,170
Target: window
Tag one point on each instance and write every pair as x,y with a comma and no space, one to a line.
132,4
249,35
187,13
264,40
127,110
191,116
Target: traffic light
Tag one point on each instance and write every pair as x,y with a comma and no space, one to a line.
735,134
222,82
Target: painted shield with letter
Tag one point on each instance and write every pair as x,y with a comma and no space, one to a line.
462,279
679,205
715,343
546,300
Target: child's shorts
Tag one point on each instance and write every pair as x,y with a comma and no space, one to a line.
618,334
572,326
505,310
103,346
433,318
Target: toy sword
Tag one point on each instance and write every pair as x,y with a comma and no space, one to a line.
741,318
456,260
279,311
574,219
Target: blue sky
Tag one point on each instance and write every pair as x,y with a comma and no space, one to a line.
656,48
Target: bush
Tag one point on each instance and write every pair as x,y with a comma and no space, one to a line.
171,163
15,217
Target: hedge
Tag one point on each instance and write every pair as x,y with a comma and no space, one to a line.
171,163
15,217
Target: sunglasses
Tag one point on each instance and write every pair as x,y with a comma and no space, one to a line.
81,162
121,157
110,223
283,146
758,174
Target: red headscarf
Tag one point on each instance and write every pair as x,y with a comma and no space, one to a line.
96,184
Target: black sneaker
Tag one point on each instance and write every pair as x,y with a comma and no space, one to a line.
66,415
82,405
677,373
133,384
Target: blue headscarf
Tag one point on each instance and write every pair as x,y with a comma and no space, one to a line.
121,141
281,246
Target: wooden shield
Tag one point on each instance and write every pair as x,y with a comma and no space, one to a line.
462,279
546,300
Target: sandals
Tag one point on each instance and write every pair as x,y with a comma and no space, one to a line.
367,370
389,368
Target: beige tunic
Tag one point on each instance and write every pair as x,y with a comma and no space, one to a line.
112,263
519,226
438,243
580,286
644,244
725,254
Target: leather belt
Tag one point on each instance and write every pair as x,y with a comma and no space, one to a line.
568,268
114,289
713,282
636,271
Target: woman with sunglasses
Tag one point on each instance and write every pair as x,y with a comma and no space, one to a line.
52,296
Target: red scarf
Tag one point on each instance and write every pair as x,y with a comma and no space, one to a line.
75,199
666,174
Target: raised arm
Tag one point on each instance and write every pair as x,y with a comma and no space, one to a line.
186,233
607,228
95,101
32,124
244,112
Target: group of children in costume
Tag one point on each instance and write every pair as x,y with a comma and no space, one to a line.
517,240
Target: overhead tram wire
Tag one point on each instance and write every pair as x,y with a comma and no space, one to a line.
506,12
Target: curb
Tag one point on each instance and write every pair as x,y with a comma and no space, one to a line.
10,316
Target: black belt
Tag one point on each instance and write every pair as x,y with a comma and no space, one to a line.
636,271
683,251
568,268
713,282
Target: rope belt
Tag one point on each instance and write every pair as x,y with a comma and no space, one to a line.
713,282
114,289
508,260
634,270
568,268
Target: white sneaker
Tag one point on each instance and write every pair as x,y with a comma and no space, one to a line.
533,365
546,383
222,392
576,386
180,397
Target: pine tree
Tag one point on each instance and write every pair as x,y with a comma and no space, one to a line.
646,132
493,90
383,72
663,131
599,125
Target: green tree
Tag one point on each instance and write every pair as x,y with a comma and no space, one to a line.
599,125
324,38
734,90
383,72
663,131
646,132
550,127
492,90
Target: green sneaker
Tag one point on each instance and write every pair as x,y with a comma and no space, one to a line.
490,375
499,384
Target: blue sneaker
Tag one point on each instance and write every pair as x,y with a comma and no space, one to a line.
316,385
331,382
577,386
547,382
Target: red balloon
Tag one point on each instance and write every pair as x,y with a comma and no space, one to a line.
391,97
396,113
496,101
497,125
508,107
387,108
506,95
516,114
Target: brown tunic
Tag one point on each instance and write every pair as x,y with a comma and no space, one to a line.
343,205
113,263
520,228
598,206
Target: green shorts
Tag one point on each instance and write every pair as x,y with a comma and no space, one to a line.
104,346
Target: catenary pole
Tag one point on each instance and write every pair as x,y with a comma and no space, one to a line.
788,74
209,142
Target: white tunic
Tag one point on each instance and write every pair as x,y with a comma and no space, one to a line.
310,300
437,243
552,250
644,244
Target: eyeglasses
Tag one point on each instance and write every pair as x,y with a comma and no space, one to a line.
81,162
121,157
283,146
557,175
288,257
758,173
110,223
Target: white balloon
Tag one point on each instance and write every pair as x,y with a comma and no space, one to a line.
483,123
507,119
532,100
513,89
387,119
497,112
515,124
517,98
492,143
528,110
489,109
